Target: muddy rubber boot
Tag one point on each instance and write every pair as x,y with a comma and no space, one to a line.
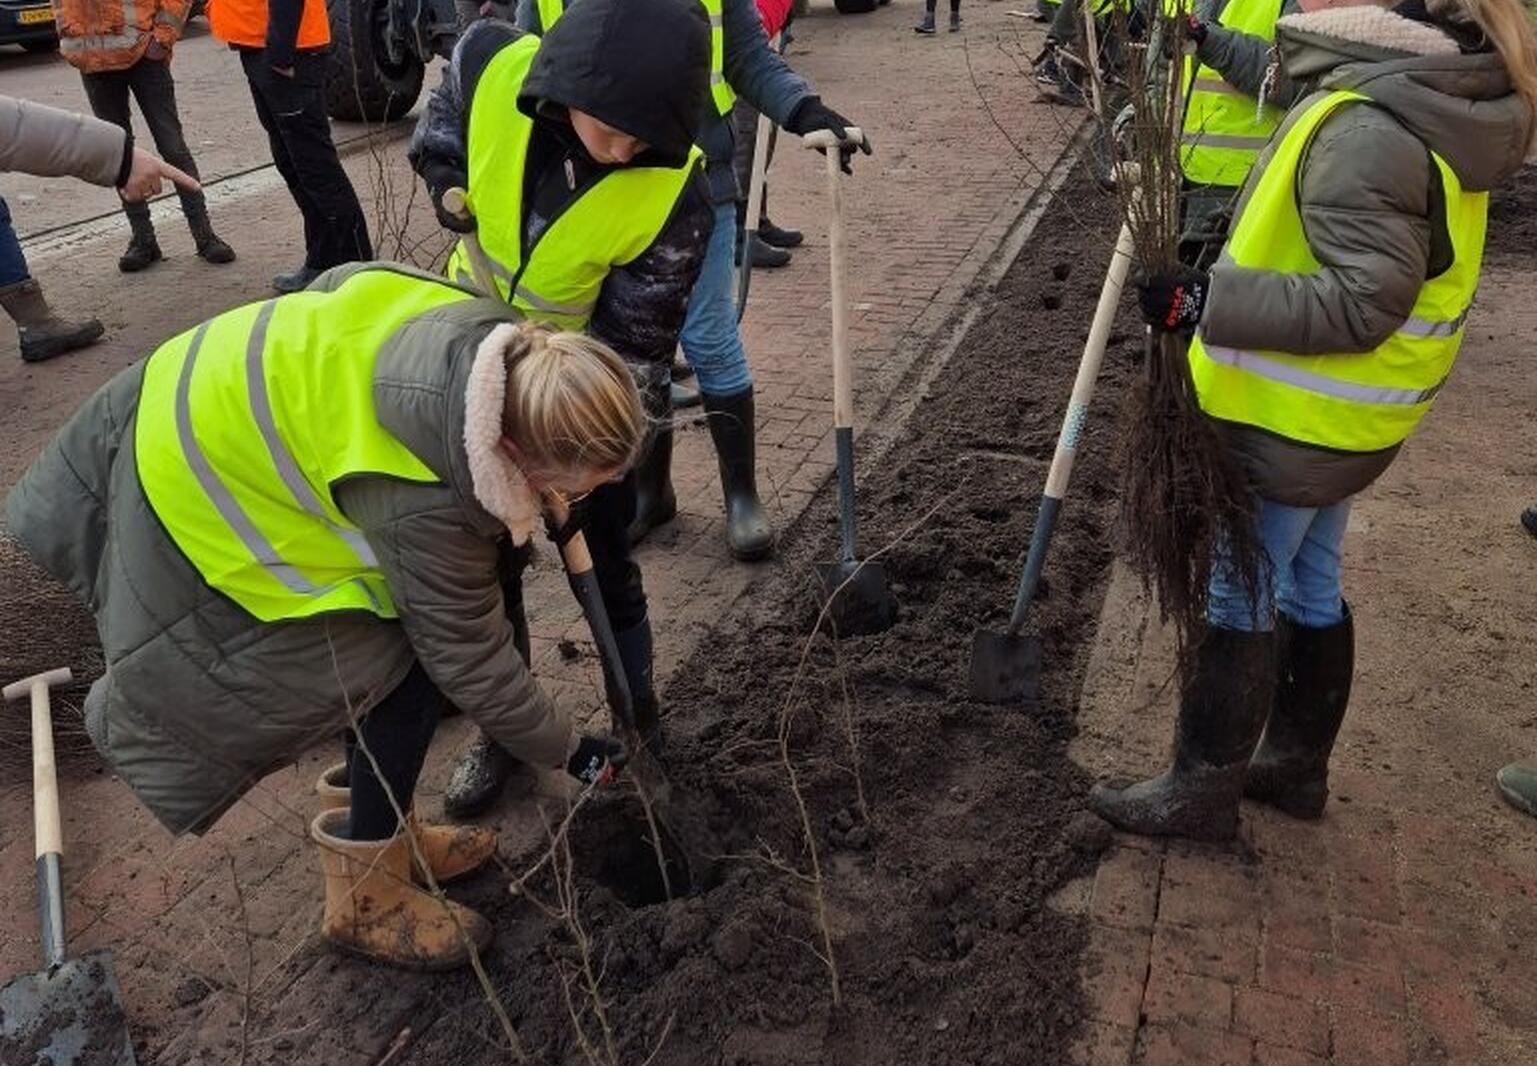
210,247
749,533
1529,520
655,502
451,851
1290,769
44,334
477,778
926,27
955,22
1518,784
1220,717
143,249
374,911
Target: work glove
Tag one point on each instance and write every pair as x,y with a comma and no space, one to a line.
1196,30
577,512
1172,300
441,177
811,114
597,760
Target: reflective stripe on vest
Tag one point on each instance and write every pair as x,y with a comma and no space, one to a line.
720,92
608,224
1223,135
1348,401
244,425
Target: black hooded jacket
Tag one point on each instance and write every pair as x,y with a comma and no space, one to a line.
623,62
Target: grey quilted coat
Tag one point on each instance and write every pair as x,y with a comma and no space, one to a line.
199,699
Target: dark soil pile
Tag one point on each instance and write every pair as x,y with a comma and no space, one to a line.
936,888
1513,221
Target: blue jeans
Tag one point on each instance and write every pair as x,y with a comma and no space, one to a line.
1302,548
711,342
13,265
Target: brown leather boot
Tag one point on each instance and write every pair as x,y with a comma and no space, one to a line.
44,334
451,851
375,912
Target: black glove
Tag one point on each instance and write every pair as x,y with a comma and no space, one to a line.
596,760
1173,300
811,114
576,520
441,177
1196,30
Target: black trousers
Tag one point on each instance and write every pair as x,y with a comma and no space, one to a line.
150,83
293,112
397,733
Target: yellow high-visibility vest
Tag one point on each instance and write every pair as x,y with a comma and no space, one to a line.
1225,129
1346,401
612,222
247,421
720,91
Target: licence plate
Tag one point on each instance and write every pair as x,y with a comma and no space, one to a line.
32,16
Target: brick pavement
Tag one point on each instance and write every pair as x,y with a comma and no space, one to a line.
925,215
1400,928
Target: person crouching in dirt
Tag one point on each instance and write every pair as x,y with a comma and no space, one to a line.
286,522
1320,340
615,224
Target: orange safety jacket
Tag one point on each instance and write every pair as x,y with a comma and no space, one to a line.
244,23
102,35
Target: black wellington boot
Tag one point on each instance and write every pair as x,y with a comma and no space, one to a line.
477,778
749,533
655,502
1290,770
635,652
1220,717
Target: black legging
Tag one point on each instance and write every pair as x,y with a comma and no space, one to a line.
397,733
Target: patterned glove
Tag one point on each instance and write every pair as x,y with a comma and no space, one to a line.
1173,300
596,760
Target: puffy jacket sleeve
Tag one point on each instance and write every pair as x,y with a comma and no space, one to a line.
1364,189
443,575
755,70
45,141
643,303
1243,59
439,149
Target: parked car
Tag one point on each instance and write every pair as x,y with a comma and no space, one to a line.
29,24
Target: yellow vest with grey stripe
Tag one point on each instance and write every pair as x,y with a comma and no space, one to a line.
720,92
1347,401
246,422
610,223
1224,128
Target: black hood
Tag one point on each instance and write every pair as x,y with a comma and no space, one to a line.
642,66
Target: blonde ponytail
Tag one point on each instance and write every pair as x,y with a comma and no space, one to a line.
571,406
1507,25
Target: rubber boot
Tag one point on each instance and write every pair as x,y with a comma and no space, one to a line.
636,654
210,247
478,778
684,394
749,533
926,27
44,334
955,22
451,851
1518,784
779,237
655,502
1290,769
1529,520
143,249
374,911
1220,717
297,280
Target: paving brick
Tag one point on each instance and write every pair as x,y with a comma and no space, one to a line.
1275,1055
1282,1021
1115,974
1199,891
1299,974
1126,889
1448,1023
1296,911
1174,997
1368,943
1103,1044
1368,1040
1184,1045
1228,954
1362,988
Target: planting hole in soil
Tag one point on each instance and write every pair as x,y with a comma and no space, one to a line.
617,848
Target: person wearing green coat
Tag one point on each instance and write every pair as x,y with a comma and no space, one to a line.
287,523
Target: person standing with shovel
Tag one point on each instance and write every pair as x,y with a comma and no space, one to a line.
288,522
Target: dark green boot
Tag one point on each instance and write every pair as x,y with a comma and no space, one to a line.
749,534
655,502
1518,784
1290,770
1221,714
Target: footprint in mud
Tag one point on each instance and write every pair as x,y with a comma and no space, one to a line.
1051,300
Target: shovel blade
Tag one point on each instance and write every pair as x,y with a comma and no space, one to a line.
1004,668
859,602
68,1015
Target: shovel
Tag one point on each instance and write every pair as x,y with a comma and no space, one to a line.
855,593
456,203
1006,667
754,209
71,1012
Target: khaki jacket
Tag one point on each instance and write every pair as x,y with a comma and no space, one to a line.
50,143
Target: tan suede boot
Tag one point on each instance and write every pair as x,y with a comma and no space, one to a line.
451,851
374,911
